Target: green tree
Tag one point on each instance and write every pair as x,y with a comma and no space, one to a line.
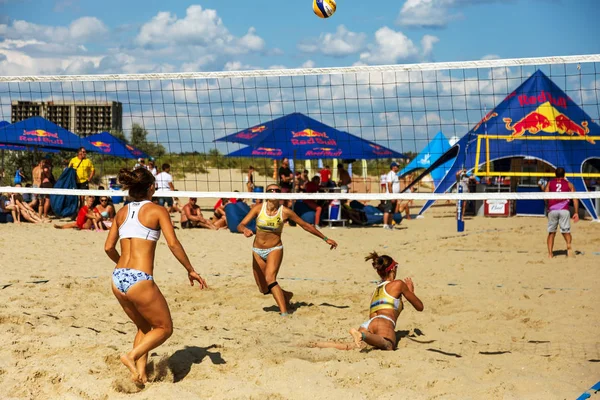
139,139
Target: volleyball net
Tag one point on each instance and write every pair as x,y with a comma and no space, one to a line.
506,122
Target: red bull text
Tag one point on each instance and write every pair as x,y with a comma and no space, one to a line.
40,136
267,151
380,151
525,100
324,152
314,137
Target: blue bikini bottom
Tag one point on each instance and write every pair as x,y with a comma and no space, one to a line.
125,278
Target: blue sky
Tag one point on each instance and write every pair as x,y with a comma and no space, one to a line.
80,36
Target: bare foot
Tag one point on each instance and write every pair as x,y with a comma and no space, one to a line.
570,252
550,255
143,378
357,336
130,364
57,226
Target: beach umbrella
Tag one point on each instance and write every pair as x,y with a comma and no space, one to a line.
109,145
38,132
296,136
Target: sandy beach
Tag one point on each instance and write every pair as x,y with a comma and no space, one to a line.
501,321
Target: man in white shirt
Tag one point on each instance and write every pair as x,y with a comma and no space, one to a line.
164,182
393,186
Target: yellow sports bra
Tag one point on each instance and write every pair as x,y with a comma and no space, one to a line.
381,300
268,223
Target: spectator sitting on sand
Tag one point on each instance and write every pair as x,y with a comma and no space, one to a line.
87,217
219,218
106,211
191,216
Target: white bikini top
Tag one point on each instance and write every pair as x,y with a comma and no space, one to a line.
133,228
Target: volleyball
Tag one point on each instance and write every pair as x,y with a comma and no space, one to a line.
324,8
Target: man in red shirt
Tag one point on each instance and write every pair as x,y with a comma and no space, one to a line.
325,176
558,211
313,187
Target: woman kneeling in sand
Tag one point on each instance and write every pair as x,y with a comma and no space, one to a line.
386,305
138,225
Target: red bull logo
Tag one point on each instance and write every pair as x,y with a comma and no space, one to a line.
40,133
40,136
543,97
312,138
309,133
267,151
380,151
548,119
133,150
324,152
258,129
485,119
105,147
251,133
246,135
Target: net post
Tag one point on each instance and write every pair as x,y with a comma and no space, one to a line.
460,224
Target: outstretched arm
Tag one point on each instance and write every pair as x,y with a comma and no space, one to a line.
290,214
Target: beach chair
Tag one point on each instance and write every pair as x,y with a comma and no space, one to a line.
335,215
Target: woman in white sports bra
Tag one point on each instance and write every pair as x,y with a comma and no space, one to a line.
386,305
138,225
267,250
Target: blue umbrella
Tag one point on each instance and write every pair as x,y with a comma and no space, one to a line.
41,133
25,148
301,137
109,145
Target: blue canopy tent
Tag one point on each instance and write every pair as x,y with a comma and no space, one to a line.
11,147
430,154
107,144
304,138
41,133
537,120
4,123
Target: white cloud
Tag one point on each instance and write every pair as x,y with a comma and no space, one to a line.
433,13
165,43
308,64
81,30
391,47
201,29
490,57
238,66
339,44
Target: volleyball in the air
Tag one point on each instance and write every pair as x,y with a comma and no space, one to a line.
324,8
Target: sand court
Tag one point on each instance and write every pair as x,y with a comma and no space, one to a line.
500,320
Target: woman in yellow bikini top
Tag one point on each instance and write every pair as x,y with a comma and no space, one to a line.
268,223
386,305
267,250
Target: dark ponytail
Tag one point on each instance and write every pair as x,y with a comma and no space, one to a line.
138,182
380,263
